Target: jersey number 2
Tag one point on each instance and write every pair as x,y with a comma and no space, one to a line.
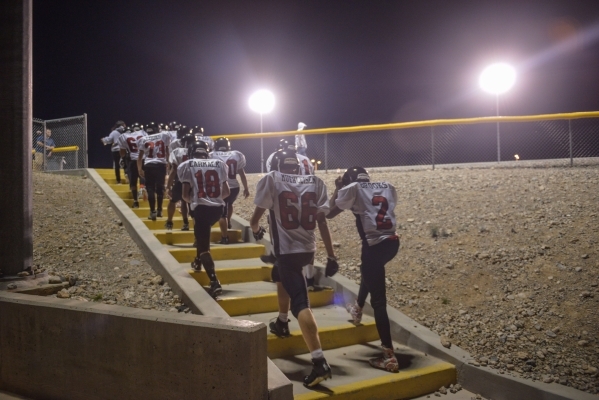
381,223
212,184
289,213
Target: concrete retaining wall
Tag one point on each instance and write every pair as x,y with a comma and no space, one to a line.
67,349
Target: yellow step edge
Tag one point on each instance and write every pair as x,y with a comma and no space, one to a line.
221,252
331,337
227,276
403,385
179,237
236,306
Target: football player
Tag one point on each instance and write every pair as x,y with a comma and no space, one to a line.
151,163
129,151
204,188
113,139
306,164
198,132
235,161
297,205
174,187
373,205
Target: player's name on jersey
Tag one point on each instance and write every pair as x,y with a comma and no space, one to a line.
221,153
374,185
298,178
210,164
155,136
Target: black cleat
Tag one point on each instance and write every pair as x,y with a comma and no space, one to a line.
215,288
185,227
279,328
224,240
169,225
152,216
269,259
135,204
321,371
196,264
159,214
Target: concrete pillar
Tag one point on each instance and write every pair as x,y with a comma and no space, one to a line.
16,236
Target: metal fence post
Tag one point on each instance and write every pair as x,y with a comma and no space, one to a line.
326,155
44,148
433,146
498,141
85,142
570,134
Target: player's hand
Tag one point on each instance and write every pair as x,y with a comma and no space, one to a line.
332,267
142,174
246,193
122,163
260,234
339,183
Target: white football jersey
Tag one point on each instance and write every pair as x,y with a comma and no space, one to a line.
206,139
206,177
128,141
300,141
175,144
155,147
178,156
373,203
235,161
306,167
293,201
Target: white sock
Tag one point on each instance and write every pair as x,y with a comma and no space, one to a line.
283,317
318,353
309,271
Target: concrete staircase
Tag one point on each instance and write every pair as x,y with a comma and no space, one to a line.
249,294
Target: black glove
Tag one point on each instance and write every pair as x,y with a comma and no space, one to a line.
122,163
332,267
260,234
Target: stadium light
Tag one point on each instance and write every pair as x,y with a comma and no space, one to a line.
262,102
497,79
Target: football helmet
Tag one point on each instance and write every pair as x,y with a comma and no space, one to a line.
136,127
222,144
187,140
285,162
198,149
152,128
182,131
197,130
174,126
355,174
286,145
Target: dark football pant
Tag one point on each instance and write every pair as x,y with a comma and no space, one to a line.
155,174
288,270
116,158
203,219
372,269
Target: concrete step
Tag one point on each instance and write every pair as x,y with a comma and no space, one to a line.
261,297
186,253
228,276
180,237
354,378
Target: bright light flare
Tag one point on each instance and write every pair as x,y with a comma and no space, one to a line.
262,101
497,78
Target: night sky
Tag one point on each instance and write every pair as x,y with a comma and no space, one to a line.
329,63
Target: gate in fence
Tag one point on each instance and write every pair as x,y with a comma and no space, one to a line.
60,144
472,140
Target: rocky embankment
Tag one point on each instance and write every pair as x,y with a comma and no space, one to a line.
501,262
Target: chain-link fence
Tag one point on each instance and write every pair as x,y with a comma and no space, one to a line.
60,144
438,142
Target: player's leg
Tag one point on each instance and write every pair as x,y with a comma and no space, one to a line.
205,217
133,178
151,176
185,214
116,158
176,196
374,259
280,324
292,278
161,171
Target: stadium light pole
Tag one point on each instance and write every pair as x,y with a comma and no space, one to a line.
497,79
262,102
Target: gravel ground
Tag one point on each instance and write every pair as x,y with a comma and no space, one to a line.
501,262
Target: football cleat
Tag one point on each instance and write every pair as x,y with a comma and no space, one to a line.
355,311
321,371
169,225
388,361
215,288
224,240
279,328
159,213
136,204
152,216
269,259
196,265
185,227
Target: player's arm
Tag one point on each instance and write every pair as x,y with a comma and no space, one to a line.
225,190
140,164
244,182
187,192
255,220
335,210
325,234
